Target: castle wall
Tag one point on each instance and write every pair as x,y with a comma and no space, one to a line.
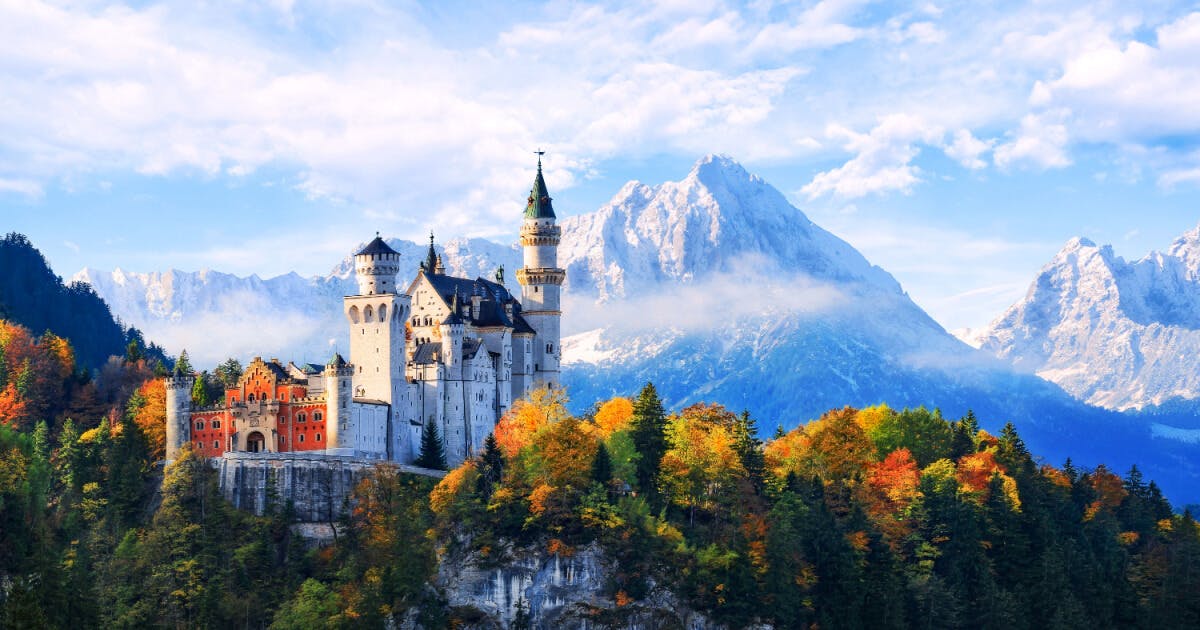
317,485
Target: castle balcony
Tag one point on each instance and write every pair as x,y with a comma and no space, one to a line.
541,275
533,234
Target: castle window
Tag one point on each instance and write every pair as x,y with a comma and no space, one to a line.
216,424
354,314
382,313
317,417
216,444
200,426
301,437
250,398
549,348
368,314
301,418
318,437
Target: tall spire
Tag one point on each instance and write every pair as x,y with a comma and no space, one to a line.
539,206
431,257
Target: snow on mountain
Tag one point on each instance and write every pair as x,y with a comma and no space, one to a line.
1116,334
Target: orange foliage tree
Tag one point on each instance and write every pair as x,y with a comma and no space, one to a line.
148,409
614,415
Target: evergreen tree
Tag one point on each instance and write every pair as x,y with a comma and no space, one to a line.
183,364
749,450
650,440
779,432
491,467
433,453
963,440
229,372
602,467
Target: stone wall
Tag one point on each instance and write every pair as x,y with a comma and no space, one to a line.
317,485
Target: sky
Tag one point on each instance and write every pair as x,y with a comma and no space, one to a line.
957,145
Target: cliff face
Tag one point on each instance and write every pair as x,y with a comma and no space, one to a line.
554,591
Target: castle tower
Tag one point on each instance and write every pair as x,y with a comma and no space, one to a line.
339,421
541,281
179,412
376,317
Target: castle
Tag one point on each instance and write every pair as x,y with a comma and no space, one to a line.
447,351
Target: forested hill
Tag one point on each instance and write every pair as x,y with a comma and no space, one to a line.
33,296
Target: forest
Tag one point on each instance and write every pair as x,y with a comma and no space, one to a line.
861,518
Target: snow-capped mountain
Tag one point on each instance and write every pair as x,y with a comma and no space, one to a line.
1113,333
713,287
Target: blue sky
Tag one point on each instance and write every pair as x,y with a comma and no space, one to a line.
956,145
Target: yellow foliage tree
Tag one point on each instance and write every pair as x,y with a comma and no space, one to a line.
614,415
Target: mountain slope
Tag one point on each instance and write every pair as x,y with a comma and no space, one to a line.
1116,334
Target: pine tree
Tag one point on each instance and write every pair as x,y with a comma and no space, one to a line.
182,364
749,450
650,440
433,454
602,467
963,441
491,467
229,372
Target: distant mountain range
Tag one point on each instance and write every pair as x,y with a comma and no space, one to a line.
715,288
1116,334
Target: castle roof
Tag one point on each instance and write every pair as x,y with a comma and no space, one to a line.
336,361
427,353
520,326
377,246
539,205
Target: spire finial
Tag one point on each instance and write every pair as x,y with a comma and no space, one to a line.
431,259
540,153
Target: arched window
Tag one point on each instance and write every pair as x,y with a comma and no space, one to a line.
354,314
250,398
216,424
317,417
383,312
301,418
301,437
368,314
318,437
216,444
200,426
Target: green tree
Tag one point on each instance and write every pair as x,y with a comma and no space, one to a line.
963,440
602,466
749,450
921,431
650,439
433,454
183,364
228,372
200,397
314,606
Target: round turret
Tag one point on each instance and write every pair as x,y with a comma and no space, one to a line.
376,266
179,412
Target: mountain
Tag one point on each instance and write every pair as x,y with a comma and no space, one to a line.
1117,334
716,289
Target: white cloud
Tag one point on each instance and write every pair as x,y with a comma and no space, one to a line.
26,187
1173,178
883,160
1121,90
1040,143
966,149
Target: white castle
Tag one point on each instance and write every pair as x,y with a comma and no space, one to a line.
447,351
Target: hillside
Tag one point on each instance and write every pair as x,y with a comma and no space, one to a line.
33,296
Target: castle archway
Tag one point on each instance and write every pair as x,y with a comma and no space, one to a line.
256,443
